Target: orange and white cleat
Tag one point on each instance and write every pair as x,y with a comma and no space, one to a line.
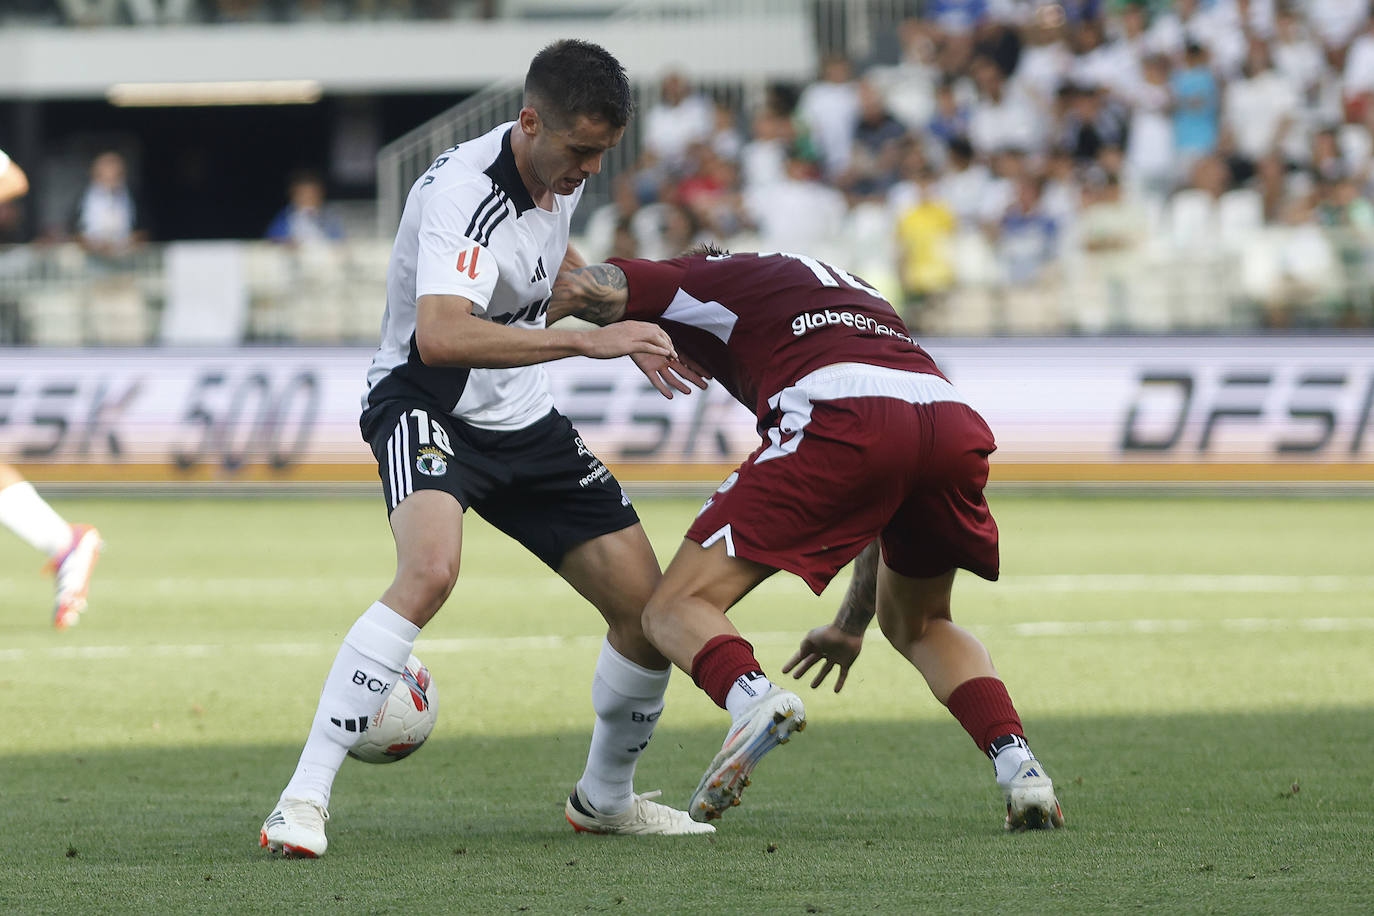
1031,802
771,721
295,829
73,572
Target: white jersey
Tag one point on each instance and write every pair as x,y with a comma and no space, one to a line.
471,229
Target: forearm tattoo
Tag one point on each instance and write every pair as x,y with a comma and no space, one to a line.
861,601
595,293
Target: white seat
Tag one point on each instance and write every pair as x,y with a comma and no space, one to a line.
1240,218
1190,219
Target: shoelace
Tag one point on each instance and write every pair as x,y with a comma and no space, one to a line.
646,813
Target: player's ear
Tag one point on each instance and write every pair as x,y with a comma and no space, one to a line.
529,121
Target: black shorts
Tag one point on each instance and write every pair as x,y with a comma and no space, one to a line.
541,485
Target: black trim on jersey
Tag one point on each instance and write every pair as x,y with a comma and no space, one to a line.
443,385
489,215
492,218
487,202
485,239
507,177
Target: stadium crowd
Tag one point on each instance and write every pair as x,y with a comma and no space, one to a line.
1002,166
1021,145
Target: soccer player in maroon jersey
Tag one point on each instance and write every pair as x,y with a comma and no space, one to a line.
867,448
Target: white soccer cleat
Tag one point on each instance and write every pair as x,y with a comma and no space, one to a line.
73,571
642,818
769,722
295,829
1031,803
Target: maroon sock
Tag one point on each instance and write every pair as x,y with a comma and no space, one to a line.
723,659
984,709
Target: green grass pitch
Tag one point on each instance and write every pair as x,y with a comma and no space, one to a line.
1194,672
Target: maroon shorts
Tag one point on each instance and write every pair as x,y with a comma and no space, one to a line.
835,473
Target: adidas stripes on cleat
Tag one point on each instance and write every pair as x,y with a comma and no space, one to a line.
643,817
769,722
1031,802
295,829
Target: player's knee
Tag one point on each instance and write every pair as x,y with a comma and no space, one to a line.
653,617
427,582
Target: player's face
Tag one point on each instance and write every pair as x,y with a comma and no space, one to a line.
565,157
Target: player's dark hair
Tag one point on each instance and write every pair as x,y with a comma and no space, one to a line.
574,78
706,248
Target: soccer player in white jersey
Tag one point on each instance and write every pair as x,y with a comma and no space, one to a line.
460,415
72,549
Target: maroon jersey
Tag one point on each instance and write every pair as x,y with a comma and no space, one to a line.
759,322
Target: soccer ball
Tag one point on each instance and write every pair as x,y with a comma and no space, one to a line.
405,719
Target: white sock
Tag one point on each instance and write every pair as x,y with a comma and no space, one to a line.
1009,757
628,700
746,692
25,513
372,657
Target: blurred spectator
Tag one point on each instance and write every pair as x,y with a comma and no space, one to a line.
726,140
799,213
1218,28
676,229
1327,163
678,119
1196,106
1027,238
306,218
1358,78
951,119
712,192
909,87
829,109
1000,118
877,148
964,183
1122,57
1046,60
1258,110
925,234
911,165
107,219
624,211
763,158
1092,120
1095,62
1271,183
1297,55
1061,197
1340,205
1336,23
623,242
996,39
1150,138
1008,168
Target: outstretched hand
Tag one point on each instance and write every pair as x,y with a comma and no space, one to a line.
829,644
665,373
629,338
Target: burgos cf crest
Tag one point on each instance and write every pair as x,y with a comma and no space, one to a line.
431,462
